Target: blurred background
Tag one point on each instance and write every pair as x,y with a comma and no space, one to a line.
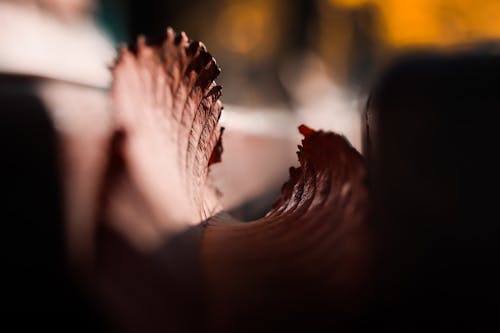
266,46
283,62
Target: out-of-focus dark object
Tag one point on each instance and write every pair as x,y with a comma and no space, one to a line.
431,144
31,198
35,282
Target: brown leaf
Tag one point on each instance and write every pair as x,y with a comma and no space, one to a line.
308,256
307,259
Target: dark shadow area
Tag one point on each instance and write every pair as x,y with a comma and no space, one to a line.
36,288
159,292
432,144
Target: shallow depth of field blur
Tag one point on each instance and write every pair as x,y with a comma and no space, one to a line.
283,62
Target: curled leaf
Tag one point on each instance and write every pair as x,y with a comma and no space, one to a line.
307,258
311,252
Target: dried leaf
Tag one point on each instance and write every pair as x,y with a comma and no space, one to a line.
308,255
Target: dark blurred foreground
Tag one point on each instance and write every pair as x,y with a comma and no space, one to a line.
431,145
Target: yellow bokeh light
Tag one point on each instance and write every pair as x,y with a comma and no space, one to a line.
434,22
248,27
348,3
